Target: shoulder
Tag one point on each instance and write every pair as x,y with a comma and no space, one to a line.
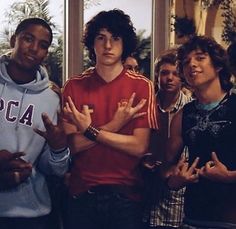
189,105
88,73
137,76
139,82
233,95
54,87
230,104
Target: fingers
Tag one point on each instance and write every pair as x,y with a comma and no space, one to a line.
47,121
47,124
86,110
214,157
17,177
139,105
209,164
40,132
71,105
194,165
67,109
16,155
131,99
139,114
59,117
19,164
181,161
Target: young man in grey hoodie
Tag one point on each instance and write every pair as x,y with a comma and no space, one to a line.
28,123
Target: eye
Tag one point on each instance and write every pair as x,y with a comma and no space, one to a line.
175,73
99,37
164,72
116,38
28,38
185,62
44,45
200,57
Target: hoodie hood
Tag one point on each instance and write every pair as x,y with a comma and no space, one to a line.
40,83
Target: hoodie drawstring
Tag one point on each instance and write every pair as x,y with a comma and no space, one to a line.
21,104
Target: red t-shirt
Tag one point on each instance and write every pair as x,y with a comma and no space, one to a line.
102,164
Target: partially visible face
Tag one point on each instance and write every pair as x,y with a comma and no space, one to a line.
131,64
198,69
168,79
108,48
30,47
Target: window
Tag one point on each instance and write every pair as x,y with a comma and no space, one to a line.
13,11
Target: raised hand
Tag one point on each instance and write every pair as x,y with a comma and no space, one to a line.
54,134
215,170
183,174
6,157
125,112
81,119
149,162
14,171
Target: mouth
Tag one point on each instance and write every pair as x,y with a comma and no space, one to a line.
30,58
169,85
108,54
194,73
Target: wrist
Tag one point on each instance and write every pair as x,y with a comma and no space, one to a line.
111,127
231,178
171,183
91,132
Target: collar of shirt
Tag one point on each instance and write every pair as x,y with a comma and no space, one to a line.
179,103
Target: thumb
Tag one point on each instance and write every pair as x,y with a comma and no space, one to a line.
86,110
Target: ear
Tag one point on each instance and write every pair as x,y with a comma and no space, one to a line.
12,41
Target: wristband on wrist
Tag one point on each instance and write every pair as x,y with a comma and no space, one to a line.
91,133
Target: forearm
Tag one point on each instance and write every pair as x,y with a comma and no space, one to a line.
135,144
78,142
54,162
231,178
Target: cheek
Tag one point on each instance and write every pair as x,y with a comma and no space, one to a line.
162,81
42,54
97,49
177,80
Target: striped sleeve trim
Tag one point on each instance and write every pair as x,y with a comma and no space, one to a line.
87,73
152,115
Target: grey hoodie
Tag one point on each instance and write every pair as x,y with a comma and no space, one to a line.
21,106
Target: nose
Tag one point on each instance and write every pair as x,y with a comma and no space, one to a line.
170,75
34,46
107,44
192,62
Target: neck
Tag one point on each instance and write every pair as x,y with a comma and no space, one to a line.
20,75
210,94
109,73
168,100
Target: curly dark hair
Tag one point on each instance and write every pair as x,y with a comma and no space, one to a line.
118,24
216,52
231,50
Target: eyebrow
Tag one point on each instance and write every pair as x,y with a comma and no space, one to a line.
201,53
32,35
100,33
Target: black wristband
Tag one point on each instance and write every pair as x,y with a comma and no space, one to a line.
91,133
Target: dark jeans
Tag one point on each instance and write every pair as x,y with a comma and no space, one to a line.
103,211
24,223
